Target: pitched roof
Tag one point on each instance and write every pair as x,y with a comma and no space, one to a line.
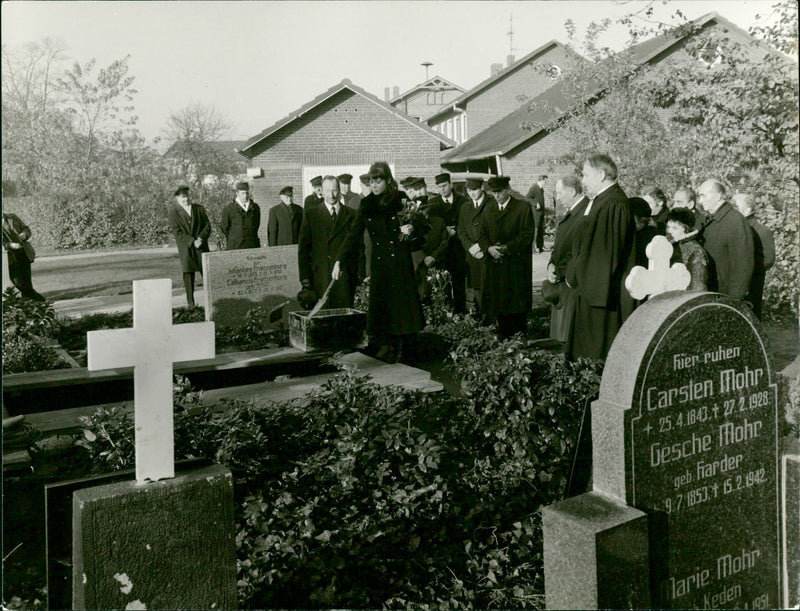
428,85
223,146
553,104
483,85
344,84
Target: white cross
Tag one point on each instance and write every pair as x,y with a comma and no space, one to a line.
151,347
659,277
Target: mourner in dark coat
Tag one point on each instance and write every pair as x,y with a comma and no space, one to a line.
351,200
285,219
569,194
314,199
506,238
536,195
645,230
450,254
602,257
657,201
686,248
191,228
434,231
16,240
685,197
395,311
321,238
728,240
469,224
763,250
240,221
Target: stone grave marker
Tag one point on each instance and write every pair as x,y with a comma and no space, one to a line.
238,280
160,542
685,430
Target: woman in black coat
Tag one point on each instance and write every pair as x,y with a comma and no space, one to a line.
395,312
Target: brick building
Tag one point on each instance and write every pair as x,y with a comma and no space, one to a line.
523,144
342,130
422,100
492,99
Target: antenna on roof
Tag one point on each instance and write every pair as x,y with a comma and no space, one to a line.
427,65
510,34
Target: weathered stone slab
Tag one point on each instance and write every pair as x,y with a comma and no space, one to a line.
791,516
595,554
238,280
686,430
163,545
6,277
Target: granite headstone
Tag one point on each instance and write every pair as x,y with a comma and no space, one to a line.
686,430
238,280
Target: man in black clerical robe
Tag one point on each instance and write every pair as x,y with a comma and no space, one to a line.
603,255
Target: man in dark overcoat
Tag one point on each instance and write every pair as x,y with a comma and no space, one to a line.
322,235
506,239
536,195
241,219
351,200
16,240
602,257
468,232
190,226
450,254
285,219
763,250
728,240
569,194
314,198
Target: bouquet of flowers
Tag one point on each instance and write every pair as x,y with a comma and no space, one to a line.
414,215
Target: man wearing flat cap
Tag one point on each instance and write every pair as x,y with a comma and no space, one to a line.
240,220
285,218
314,199
351,200
190,226
506,239
450,254
470,219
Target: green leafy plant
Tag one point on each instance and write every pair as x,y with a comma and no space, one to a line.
26,317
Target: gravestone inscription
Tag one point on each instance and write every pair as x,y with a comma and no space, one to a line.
689,385
238,280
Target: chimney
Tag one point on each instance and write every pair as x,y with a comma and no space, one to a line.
386,95
395,91
509,60
496,69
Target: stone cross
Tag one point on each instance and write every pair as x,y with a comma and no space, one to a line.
151,347
659,277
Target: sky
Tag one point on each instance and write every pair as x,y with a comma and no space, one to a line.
257,61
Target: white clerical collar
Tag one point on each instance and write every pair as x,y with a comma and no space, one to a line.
575,203
245,206
591,201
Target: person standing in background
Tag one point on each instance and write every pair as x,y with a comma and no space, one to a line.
763,250
191,228
241,219
284,220
16,240
314,199
536,195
